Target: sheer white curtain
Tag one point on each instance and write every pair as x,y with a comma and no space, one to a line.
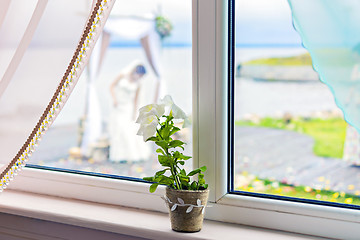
4,6
38,39
330,32
24,43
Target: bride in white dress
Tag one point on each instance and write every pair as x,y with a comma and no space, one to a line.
125,145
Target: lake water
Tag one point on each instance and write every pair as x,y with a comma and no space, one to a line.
277,98
252,97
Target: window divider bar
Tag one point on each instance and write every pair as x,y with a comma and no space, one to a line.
221,98
210,93
195,84
206,69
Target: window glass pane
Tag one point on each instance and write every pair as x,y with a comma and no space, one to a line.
290,137
143,55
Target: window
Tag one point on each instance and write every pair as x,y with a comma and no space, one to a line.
95,133
289,133
210,61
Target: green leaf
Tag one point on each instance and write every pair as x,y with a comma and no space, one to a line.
160,172
184,180
176,143
149,179
201,179
152,139
162,143
153,187
164,180
164,160
203,168
181,162
170,117
193,172
159,150
183,172
179,155
193,186
174,130
163,131
166,132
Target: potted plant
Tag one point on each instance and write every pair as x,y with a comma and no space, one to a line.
186,193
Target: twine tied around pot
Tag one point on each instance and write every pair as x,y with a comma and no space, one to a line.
181,203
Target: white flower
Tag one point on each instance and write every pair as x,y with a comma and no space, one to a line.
148,126
149,116
148,119
177,112
167,101
151,109
180,115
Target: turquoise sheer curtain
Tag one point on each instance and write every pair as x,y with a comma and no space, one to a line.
330,31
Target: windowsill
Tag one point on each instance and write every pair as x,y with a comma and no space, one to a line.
128,221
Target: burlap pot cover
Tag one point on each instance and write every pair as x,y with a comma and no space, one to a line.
186,208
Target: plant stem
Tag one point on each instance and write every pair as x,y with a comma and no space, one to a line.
177,181
173,167
157,130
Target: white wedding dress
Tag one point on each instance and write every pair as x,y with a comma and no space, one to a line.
125,145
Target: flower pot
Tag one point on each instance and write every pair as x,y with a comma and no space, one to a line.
186,208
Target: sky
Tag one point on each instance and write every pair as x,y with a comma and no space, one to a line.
258,22
264,22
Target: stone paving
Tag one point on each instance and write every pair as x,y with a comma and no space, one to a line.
279,155
287,157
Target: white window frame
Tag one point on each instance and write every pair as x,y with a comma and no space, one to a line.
210,111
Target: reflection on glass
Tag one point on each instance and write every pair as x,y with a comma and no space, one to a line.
140,57
290,137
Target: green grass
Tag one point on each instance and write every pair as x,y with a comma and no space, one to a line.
328,134
300,60
266,186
